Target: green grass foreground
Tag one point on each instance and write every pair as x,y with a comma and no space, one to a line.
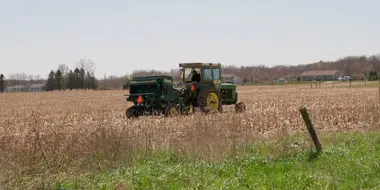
349,161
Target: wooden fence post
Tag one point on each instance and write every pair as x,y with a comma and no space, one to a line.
350,83
310,128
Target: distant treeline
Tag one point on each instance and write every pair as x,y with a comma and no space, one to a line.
79,79
351,65
82,76
367,65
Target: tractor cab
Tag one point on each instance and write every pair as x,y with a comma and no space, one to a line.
204,73
202,84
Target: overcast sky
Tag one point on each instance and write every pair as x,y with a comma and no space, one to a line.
123,35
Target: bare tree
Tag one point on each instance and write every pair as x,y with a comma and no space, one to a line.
176,74
37,78
88,65
64,71
31,79
24,77
63,68
12,79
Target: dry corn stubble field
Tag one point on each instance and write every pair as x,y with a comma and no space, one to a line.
43,134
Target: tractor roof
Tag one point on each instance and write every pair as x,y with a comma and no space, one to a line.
197,64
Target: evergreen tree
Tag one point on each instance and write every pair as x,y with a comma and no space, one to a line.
88,81
50,82
58,80
64,80
82,78
2,83
93,82
76,78
370,77
71,80
375,77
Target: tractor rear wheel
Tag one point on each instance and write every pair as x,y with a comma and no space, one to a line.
209,100
171,110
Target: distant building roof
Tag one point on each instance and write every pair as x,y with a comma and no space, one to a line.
321,72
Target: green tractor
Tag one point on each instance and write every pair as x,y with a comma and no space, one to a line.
202,89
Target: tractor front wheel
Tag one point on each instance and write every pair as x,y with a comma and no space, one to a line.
209,100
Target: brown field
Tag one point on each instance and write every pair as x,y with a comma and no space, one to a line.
46,134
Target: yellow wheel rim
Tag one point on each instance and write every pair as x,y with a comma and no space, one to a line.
191,110
173,111
213,101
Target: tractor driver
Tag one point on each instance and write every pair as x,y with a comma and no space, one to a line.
196,77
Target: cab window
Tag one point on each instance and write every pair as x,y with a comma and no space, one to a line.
216,73
207,74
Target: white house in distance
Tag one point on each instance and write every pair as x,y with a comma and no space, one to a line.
26,88
15,88
232,78
326,75
36,88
